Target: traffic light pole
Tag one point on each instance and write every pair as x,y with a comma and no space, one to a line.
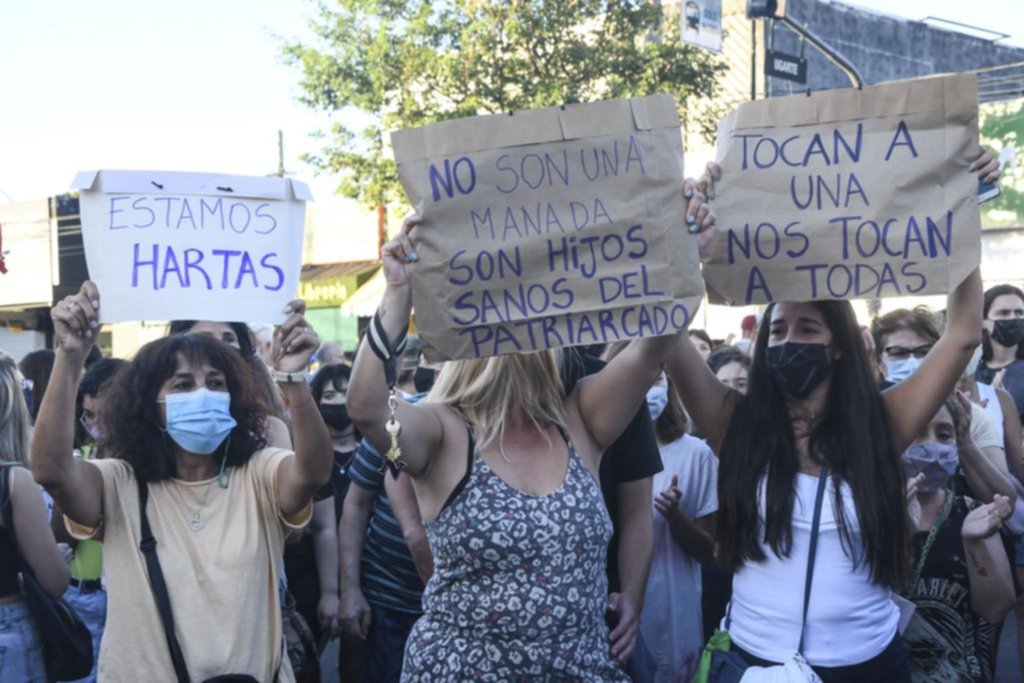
845,65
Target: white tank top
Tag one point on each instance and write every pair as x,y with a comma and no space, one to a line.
850,619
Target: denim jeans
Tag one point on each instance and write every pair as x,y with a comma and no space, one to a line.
21,650
385,644
641,667
92,609
891,666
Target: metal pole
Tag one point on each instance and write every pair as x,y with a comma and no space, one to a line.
280,153
833,56
753,60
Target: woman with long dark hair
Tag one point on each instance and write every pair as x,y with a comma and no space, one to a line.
813,402
239,337
183,425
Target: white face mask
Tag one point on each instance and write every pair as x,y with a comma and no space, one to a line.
898,370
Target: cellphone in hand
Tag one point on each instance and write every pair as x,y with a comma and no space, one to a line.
987,191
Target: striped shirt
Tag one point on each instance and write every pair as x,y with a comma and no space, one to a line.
388,576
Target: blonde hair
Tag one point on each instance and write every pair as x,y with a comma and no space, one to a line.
14,415
486,392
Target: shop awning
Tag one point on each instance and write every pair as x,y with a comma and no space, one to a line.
367,298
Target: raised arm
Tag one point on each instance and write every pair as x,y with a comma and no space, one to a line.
709,402
302,475
632,372
915,400
76,486
422,431
988,569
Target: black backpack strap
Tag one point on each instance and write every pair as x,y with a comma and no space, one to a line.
156,579
822,481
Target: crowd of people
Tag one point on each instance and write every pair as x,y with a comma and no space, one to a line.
209,507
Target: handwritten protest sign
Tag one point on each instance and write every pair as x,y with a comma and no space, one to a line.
549,228
848,194
168,246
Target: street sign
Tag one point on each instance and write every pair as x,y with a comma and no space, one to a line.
788,67
701,24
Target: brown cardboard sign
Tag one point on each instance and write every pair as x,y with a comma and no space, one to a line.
848,194
550,227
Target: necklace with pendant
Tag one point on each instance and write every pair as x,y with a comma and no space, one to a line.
196,524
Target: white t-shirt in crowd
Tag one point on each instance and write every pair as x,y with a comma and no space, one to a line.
983,430
850,619
993,409
671,618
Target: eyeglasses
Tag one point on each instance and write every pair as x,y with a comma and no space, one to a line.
903,353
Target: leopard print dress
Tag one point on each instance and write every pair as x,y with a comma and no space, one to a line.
519,587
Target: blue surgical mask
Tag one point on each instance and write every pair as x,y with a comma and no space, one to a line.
200,420
938,462
898,370
657,401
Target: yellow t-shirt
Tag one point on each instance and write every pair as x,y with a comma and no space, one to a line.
222,580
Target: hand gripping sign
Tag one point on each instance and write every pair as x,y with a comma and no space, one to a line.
550,227
170,246
848,194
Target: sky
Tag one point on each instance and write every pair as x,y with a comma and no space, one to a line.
198,85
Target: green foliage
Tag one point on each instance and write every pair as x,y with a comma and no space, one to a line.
1002,126
382,65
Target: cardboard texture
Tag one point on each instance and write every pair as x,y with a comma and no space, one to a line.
195,246
848,194
550,227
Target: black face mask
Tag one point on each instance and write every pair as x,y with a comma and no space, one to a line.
798,368
336,416
1009,332
424,379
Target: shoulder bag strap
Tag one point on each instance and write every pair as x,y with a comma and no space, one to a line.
822,481
940,519
156,579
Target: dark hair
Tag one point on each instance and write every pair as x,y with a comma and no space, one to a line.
95,356
131,414
991,294
275,405
854,438
673,422
241,331
703,336
919,320
724,355
94,379
36,367
334,374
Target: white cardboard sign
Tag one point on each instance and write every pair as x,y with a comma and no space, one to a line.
197,246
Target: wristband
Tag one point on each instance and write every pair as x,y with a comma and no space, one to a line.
289,377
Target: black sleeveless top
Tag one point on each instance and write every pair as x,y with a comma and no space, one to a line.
8,543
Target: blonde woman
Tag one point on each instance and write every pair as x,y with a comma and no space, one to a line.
505,472
21,650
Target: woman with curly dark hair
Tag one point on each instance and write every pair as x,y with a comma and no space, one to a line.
184,430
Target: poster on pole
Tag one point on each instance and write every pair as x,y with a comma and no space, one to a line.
848,194
198,246
550,227
28,250
701,23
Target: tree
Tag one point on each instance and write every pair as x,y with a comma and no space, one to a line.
391,64
1002,127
